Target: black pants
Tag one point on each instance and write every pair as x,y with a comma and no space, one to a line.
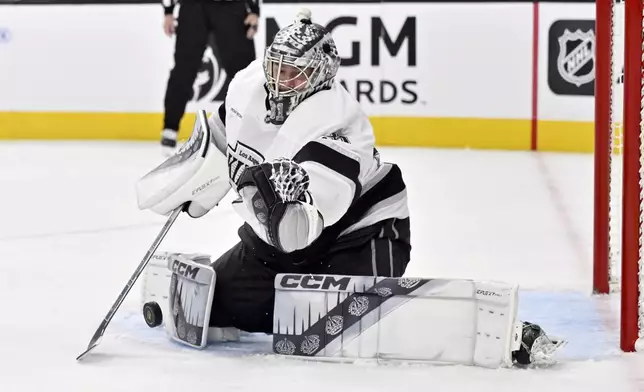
244,288
196,21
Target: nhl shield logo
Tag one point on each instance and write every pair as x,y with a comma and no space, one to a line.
576,60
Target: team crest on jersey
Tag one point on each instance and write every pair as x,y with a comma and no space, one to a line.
240,156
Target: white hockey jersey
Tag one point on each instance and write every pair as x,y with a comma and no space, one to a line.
332,139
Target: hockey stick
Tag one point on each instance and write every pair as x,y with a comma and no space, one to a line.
98,335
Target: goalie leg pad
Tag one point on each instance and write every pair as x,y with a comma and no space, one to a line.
192,287
156,287
429,320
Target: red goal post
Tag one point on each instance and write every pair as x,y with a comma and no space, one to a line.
619,101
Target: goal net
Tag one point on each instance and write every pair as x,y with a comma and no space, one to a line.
619,174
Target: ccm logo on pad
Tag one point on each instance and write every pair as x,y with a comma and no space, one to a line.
184,269
313,282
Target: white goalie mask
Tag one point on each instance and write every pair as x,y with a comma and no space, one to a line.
301,60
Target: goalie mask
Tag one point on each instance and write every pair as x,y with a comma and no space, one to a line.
301,61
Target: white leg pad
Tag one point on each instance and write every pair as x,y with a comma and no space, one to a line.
192,287
155,282
428,320
157,287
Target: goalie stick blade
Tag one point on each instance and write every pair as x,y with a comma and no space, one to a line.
96,340
89,348
119,300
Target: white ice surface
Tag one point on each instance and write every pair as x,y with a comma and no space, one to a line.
71,235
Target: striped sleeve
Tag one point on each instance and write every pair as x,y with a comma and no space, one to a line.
334,172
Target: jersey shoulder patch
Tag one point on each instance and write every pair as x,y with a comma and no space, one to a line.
336,136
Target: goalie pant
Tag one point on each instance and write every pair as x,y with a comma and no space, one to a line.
244,293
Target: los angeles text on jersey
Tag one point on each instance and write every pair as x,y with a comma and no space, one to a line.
361,64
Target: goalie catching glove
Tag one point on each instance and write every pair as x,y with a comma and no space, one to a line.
277,194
